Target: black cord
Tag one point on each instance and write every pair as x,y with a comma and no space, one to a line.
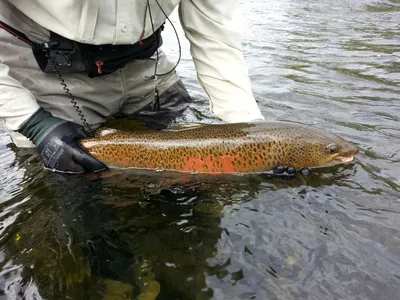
152,27
73,101
66,89
177,37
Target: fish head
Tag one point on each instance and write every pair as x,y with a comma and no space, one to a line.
314,148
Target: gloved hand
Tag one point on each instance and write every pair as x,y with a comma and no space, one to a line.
56,143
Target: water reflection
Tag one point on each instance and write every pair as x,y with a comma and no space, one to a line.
140,234
93,234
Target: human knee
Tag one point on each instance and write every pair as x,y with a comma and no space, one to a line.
175,98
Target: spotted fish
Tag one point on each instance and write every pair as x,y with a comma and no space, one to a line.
220,148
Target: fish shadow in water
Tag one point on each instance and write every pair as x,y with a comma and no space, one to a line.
129,182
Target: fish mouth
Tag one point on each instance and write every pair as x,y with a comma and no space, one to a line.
347,156
344,159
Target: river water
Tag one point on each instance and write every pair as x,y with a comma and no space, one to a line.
334,235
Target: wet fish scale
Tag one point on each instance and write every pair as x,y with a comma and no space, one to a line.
222,148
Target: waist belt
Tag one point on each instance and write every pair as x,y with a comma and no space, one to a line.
66,56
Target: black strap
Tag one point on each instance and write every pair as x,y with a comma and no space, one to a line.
72,56
15,33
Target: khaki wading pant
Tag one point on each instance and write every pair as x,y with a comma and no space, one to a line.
126,92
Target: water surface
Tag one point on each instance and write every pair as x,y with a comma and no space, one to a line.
334,235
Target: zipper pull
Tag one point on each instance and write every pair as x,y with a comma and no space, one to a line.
99,64
156,105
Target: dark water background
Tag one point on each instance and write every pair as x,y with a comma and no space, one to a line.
334,235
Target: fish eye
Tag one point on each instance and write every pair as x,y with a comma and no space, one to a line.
331,148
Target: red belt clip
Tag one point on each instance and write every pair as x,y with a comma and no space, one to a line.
99,64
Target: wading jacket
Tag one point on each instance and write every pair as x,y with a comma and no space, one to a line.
213,28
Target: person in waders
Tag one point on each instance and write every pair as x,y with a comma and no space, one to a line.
66,67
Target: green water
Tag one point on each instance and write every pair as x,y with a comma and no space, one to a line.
334,235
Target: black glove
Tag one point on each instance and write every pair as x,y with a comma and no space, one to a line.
56,143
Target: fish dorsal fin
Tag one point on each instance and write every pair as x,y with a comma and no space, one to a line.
185,126
104,131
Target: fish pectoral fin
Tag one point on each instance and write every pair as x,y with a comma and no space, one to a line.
184,126
104,131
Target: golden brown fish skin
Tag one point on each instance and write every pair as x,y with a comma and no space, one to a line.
222,148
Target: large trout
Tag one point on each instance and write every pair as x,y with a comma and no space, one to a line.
221,148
